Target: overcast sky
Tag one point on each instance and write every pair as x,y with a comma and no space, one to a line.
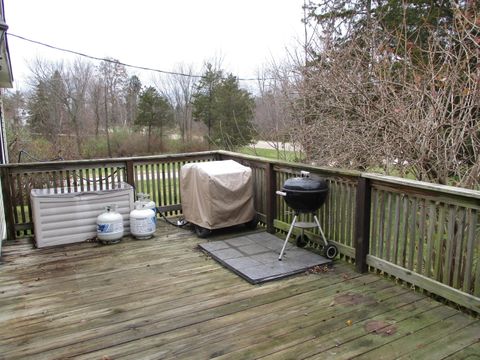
156,33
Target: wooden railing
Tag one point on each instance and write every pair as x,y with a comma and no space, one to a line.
156,175
336,216
427,235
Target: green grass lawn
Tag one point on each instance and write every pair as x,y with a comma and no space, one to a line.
272,154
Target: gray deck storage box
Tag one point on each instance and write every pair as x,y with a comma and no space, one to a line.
63,217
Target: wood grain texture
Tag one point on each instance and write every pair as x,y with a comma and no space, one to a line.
162,298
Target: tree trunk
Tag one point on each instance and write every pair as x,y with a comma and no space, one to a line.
161,136
106,125
149,136
97,119
77,136
76,129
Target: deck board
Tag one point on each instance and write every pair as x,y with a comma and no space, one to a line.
163,298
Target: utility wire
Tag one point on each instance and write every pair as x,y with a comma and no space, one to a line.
121,63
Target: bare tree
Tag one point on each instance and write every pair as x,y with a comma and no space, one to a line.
64,87
406,108
178,89
46,112
77,79
273,119
114,76
132,93
96,101
15,115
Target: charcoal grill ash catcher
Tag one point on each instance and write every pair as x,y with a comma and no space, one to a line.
306,194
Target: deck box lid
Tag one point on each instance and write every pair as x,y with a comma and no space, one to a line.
71,192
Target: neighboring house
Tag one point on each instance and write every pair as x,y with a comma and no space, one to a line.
6,81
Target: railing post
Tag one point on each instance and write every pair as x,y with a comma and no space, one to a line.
218,156
8,206
362,224
130,173
270,184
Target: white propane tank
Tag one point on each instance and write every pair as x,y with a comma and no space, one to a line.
142,222
149,204
140,199
110,226
144,199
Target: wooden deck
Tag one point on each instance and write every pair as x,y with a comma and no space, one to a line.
162,298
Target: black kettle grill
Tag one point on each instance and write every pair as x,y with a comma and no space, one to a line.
305,195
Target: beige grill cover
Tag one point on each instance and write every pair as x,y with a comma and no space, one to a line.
217,194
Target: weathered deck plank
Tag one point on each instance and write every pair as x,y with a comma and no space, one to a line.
410,341
162,298
252,320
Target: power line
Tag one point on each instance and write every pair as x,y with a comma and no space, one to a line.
121,63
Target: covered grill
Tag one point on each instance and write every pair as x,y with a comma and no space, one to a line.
306,194
217,194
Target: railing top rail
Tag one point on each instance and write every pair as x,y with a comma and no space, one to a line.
106,161
422,185
299,166
109,162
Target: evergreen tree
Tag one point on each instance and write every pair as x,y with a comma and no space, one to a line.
38,109
405,25
203,98
154,111
225,108
46,108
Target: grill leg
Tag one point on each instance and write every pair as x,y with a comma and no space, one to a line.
288,236
321,231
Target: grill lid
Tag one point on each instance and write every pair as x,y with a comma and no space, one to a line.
305,184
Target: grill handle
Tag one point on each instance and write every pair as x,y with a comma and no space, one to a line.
281,193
